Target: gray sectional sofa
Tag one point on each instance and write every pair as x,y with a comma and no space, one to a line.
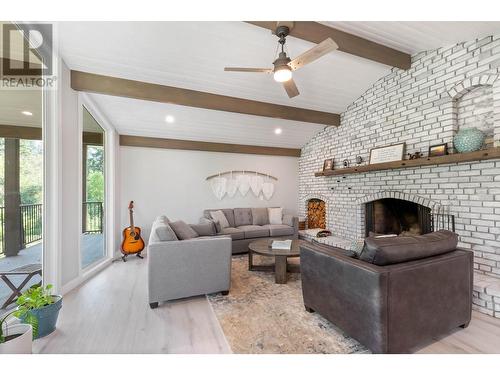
187,260
249,224
180,268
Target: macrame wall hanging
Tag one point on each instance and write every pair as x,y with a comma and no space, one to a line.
261,184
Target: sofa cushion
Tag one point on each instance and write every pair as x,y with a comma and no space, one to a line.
235,233
161,230
384,251
182,230
206,229
219,217
254,231
260,216
228,212
275,215
242,216
279,229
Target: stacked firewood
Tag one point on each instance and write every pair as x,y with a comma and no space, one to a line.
316,214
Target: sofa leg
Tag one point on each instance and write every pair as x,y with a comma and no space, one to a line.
225,292
465,325
153,305
308,309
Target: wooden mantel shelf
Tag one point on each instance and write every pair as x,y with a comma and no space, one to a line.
492,153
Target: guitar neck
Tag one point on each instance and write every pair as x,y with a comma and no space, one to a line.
131,216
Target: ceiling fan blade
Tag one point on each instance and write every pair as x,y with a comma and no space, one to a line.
291,88
326,46
249,70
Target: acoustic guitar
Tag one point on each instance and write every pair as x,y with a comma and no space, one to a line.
132,241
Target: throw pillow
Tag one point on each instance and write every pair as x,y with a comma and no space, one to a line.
206,229
183,231
275,215
165,232
260,216
288,220
162,229
358,245
163,218
213,223
220,217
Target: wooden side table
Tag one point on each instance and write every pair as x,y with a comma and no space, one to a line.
28,271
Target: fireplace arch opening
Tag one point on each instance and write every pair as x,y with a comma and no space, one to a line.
396,216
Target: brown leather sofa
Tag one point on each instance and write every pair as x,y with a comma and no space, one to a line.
401,292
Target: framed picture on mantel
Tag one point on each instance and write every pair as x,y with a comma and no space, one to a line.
328,165
438,150
387,154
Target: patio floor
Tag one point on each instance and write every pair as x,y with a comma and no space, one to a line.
92,250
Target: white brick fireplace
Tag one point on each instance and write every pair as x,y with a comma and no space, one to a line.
444,90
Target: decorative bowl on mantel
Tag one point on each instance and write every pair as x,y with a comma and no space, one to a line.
469,140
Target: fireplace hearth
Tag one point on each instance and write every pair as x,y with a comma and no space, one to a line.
396,216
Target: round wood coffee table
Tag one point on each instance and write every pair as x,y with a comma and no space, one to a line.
281,266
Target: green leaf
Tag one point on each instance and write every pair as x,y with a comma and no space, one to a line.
33,321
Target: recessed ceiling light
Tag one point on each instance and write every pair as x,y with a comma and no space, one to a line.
277,131
27,113
169,119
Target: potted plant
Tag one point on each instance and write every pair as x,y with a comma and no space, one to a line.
15,338
40,309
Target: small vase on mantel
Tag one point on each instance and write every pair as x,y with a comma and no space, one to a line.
469,140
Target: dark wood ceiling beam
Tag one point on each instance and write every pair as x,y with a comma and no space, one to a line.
82,81
20,132
316,32
177,144
93,139
34,133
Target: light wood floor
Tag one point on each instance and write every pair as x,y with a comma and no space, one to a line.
110,314
481,336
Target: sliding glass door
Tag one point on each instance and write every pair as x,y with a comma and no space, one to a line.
92,244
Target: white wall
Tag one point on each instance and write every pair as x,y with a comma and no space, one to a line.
70,198
172,182
71,274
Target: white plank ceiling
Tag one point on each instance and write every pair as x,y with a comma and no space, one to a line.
193,55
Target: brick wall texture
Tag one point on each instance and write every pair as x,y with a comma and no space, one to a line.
444,90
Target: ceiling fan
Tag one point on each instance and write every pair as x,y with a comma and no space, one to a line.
283,65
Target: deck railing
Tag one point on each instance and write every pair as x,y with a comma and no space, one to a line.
92,217
31,222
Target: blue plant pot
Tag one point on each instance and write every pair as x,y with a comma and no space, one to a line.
469,140
47,317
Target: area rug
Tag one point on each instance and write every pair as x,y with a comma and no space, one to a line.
259,316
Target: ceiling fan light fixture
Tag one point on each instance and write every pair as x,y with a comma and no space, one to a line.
282,73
